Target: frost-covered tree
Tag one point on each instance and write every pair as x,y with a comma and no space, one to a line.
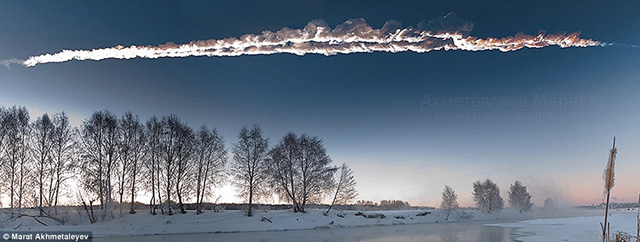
487,196
519,198
345,188
210,159
449,201
394,205
549,204
249,167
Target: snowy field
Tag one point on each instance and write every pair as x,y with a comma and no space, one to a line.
284,225
142,223
583,228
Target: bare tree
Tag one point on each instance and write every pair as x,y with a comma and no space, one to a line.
184,174
345,188
316,174
283,168
487,196
42,146
249,167
132,147
449,201
3,131
62,154
519,198
99,136
24,132
154,133
300,165
172,128
210,161
17,131
111,144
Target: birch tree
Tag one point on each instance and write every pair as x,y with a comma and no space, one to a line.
449,201
487,196
210,159
519,198
132,148
345,188
99,136
3,132
184,172
249,167
62,154
300,171
171,126
154,133
42,146
16,148
283,168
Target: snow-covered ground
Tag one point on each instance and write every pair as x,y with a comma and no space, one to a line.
577,227
583,228
142,223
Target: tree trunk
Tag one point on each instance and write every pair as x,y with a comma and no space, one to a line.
169,197
169,189
335,196
133,189
158,183
180,204
250,213
41,187
152,202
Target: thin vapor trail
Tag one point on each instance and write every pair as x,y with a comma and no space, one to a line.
353,36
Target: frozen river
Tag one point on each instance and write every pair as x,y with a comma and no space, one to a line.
439,232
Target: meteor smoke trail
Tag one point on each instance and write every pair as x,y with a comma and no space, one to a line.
353,36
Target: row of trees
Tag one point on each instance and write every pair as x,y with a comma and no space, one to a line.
297,169
114,159
34,157
486,194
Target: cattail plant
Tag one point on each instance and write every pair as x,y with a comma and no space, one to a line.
608,184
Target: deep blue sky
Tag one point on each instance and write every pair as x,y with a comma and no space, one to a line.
367,107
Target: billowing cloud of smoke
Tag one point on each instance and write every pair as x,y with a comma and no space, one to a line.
353,36
7,63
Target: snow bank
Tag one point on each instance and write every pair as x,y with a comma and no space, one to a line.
571,229
142,223
585,228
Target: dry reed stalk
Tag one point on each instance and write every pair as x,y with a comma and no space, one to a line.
609,172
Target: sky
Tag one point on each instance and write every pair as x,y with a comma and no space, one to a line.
381,113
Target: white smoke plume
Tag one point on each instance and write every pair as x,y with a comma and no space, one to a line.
353,36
